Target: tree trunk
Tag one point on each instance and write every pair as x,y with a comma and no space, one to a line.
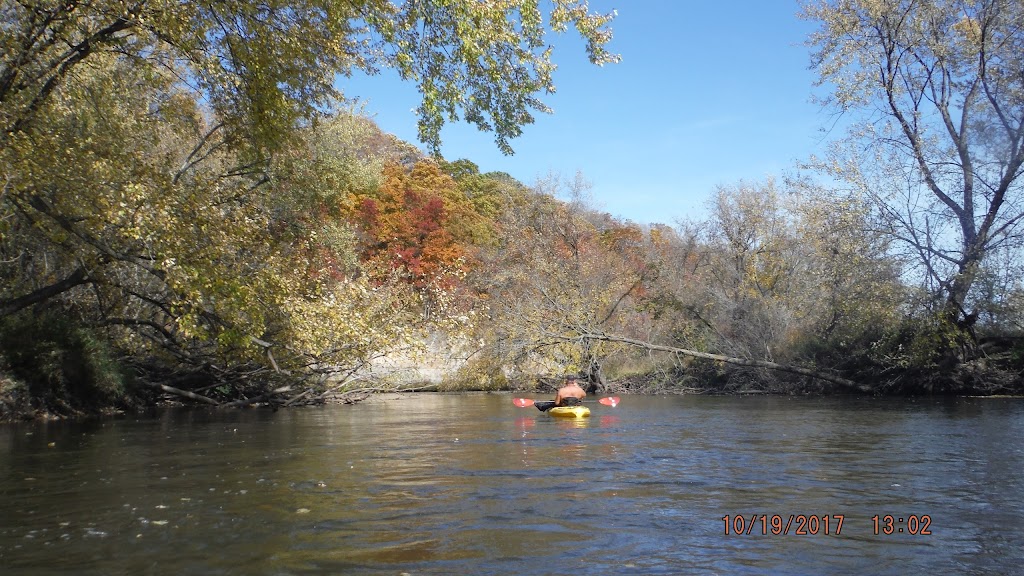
78,277
595,377
964,345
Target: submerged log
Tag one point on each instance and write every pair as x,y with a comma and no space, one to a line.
183,393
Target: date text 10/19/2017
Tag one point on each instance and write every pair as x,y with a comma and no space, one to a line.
823,524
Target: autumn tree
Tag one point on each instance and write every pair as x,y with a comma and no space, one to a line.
179,262
941,150
850,287
789,265
750,237
155,159
560,271
405,222
485,193
775,280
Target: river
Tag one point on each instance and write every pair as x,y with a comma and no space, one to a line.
470,484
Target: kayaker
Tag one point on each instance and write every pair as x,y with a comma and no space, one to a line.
570,394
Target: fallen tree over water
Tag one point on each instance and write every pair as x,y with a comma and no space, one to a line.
747,362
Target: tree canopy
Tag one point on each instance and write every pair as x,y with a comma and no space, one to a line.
943,166
261,67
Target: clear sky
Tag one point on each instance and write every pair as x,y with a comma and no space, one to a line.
707,93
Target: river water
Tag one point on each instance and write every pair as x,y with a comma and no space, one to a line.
470,484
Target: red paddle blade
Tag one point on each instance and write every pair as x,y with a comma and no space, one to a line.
522,402
610,401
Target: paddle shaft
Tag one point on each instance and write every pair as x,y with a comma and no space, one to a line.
544,405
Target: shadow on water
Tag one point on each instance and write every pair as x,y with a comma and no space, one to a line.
442,484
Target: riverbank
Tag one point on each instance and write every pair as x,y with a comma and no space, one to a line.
26,402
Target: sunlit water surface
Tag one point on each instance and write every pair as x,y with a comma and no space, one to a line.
470,484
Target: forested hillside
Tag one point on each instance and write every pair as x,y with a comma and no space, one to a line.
191,208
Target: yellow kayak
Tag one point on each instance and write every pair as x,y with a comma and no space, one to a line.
570,412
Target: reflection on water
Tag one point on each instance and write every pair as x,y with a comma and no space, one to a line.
442,484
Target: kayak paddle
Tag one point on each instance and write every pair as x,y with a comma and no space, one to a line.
524,402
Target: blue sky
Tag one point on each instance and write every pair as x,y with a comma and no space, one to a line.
707,93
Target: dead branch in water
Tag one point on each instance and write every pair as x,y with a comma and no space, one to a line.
183,393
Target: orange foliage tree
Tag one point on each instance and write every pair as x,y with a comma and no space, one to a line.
416,223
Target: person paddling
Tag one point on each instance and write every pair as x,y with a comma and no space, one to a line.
570,394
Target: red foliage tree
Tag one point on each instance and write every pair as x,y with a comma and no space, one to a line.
406,225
